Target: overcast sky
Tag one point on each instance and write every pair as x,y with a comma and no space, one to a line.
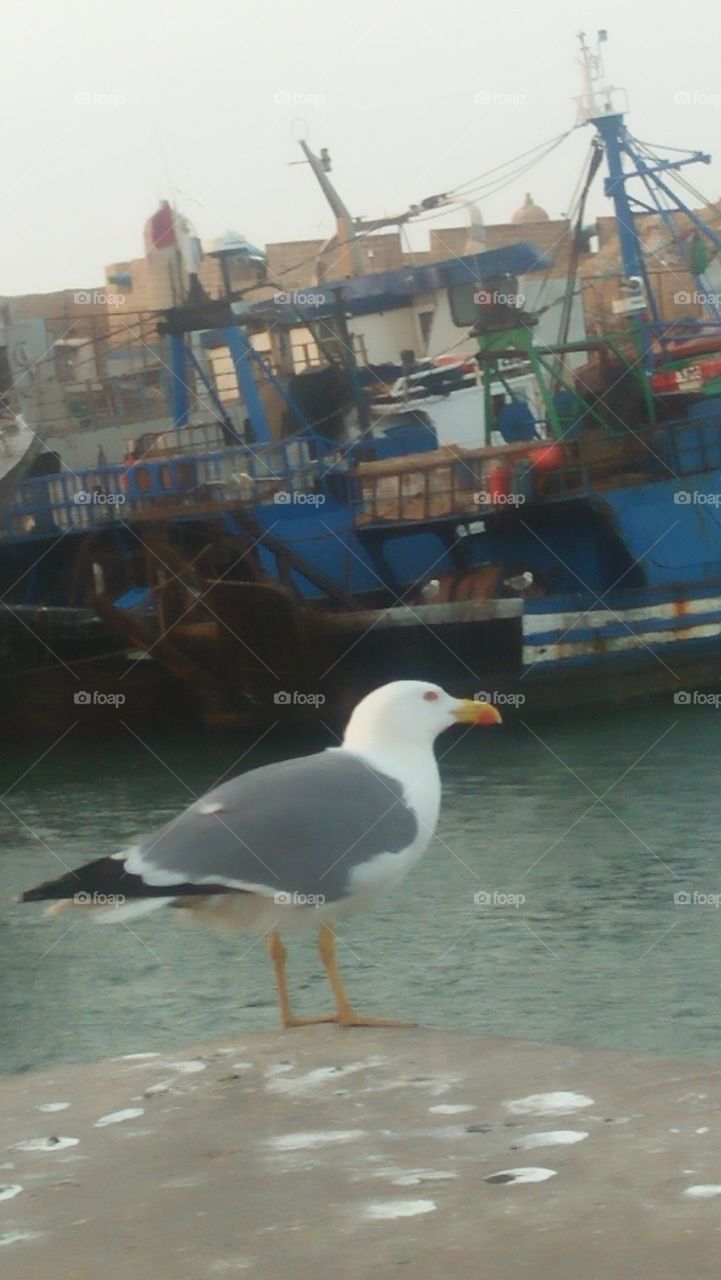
109,107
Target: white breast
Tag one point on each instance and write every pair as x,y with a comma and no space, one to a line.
422,792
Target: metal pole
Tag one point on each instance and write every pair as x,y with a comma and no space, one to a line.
179,390
240,349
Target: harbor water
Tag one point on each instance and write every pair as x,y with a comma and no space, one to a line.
573,894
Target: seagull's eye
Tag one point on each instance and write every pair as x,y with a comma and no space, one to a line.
430,696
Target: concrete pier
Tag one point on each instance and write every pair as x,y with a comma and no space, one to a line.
365,1155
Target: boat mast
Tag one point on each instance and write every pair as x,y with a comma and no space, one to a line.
596,108
349,261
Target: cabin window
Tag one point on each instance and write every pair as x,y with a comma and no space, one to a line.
498,401
462,301
425,321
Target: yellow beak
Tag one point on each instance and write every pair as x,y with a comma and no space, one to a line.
468,711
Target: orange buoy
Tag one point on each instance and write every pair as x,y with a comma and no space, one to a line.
498,483
548,457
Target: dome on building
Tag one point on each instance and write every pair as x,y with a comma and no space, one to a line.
231,243
530,212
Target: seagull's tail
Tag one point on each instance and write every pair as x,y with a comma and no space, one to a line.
104,885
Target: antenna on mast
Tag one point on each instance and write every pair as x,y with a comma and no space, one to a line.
596,99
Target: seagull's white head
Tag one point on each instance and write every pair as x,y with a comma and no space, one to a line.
411,712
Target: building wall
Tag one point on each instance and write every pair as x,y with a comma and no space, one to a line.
158,281
77,339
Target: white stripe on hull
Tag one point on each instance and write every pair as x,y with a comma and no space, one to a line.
537,623
639,640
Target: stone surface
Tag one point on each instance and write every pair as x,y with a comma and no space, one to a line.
365,1154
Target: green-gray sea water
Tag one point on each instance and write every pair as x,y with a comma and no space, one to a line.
569,896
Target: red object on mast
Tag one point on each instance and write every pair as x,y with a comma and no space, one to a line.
160,228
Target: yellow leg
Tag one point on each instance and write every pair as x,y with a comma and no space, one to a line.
278,955
346,1015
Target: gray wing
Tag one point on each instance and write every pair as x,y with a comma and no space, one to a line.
295,827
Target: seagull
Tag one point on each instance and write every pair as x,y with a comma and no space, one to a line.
291,845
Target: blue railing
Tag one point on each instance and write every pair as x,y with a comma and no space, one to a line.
291,471
95,497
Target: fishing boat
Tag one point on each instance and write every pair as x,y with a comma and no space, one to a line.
563,547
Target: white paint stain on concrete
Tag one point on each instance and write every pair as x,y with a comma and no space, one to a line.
307,1141
529,1173
554,1138
451,1108
389,1209
559,1103
703,1191
163,1086
117,1117
280,1081
418,1176
46,1144
17,1237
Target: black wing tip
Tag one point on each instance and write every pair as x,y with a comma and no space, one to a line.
30,895
94,876
108,876
44,892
